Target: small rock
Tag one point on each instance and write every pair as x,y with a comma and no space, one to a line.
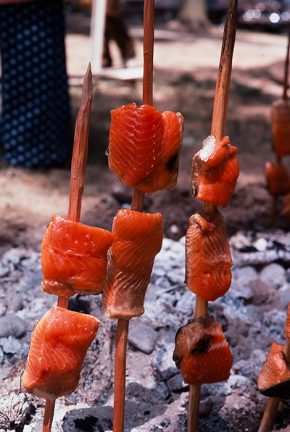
260,244
186,303
4,271
205,407
176,384
260,290
284,294
241,292
238,382
2,309
244,274
273,274
239,240
1,356
10,345
164,362
142,336
244,367
14,302
177,276
12,325
274,323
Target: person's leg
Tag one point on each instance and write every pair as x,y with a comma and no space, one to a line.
122,38
107,58
35,127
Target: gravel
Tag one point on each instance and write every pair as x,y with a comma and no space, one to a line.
252,314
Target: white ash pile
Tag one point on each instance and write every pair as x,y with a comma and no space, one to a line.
252,314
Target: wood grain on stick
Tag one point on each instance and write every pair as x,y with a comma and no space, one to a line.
148,51
137,205
48,415
78,168
224,74
120,375
286,70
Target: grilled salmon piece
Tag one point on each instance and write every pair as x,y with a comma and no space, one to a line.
144,147
137,240
208,256
278,179
58,347
274,379
201,352
74,258
215,170
280,114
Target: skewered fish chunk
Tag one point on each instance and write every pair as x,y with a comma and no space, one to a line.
278,179
144,147
274,379
208,256
58,347
137,240
74,258
215,170
280,114
201,352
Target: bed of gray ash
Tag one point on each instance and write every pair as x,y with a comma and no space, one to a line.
252,314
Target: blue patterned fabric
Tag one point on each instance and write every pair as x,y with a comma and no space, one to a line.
35,123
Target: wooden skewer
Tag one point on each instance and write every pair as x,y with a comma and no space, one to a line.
286,70
217,130
273,219
137,205
224,74
78,168
273,402
48,415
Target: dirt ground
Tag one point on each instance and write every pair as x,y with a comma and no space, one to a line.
185,73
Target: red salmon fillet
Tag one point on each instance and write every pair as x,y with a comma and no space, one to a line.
215,170
278,179
208,256
202,353
144,146
274,379
74,258
281,127
58,347
137,239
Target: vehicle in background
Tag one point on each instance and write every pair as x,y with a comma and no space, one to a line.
270,15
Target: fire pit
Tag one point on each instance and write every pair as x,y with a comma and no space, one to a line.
252,315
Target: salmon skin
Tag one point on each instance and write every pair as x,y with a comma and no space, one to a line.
278,179
280,114
74,258
58,347
201,352
144,146
208,256
274,379
215,170
137,239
